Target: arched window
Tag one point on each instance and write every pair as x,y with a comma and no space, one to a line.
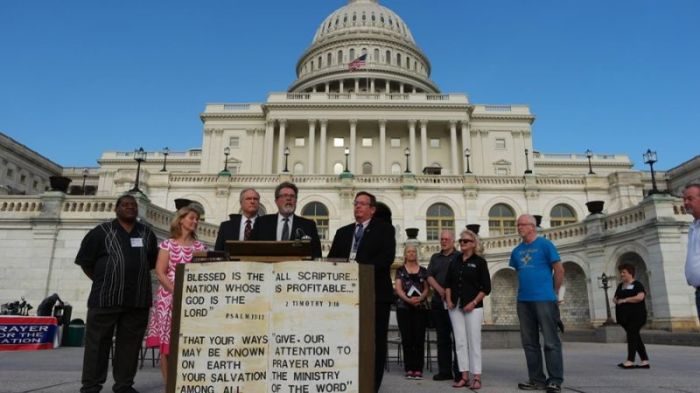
340,57
561,215
329,60
501,220
376,56
438,217
320,62
396,168
352,55
398,59
387,59
367,168
338,168
318,212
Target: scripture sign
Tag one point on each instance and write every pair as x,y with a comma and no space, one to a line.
249,327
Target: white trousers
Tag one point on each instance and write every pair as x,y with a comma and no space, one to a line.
466,327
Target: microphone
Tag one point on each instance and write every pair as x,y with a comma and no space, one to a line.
301,235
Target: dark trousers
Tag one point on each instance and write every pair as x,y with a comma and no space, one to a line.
535,317
412,323
634,341
381,331
128,326
445,349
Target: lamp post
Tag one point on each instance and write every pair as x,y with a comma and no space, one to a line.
467,153
165,152
139,157
650,158
527,162
605,282
347,153
227,151
407,153
85,175
286,157
589,155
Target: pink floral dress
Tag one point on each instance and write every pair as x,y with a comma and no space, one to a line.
162,310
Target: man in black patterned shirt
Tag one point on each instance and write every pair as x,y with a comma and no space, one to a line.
118,257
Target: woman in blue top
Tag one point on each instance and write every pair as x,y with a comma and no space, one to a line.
468,283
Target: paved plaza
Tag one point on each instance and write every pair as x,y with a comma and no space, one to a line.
589,368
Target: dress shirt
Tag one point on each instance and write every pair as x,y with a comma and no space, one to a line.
241,230
280,226
692,260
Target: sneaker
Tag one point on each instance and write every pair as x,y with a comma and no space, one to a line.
417,375
441,377
409,374
553,387
529,385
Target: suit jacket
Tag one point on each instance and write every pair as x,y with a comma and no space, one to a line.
265,228
228,230
377,247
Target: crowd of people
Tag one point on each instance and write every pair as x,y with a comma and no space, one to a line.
119,255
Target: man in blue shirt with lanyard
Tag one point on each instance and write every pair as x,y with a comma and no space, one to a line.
535,259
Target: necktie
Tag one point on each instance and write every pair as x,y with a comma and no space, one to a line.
359,231
285,229
248,230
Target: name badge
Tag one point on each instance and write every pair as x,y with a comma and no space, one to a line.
353,254
136,242
631,286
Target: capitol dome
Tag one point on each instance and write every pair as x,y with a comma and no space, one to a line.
392,61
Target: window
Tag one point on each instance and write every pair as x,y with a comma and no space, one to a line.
338,142
35,185
500,143
367,168
376,54
299,142
318,212
395,142
10,173
352,55
438,218
234,142
562,215
398,59
434,143
501,220
329,59
22,179
338,168
387,57
396,168
340,56
366,142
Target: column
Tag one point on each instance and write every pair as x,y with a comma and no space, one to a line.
382,147
412,144
357,85
466,144
453,147
312,145
371,85
353,144
322,166
387,86
341,89
423,144
281,144
401,88
328,87
269,134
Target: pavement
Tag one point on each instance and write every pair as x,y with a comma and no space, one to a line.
588,368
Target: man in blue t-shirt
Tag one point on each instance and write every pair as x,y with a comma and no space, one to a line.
535,259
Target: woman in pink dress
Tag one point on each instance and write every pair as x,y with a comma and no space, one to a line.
178,249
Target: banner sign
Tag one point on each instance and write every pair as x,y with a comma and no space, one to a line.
27,333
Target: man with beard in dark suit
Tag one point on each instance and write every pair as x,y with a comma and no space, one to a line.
240,226
285,225
371,241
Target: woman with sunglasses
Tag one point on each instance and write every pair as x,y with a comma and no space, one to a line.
468,282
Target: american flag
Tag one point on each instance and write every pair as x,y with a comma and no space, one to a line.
357,63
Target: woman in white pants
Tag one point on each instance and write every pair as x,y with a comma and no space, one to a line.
468,282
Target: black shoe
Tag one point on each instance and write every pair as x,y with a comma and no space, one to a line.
553,388
441,377
626,367
529,385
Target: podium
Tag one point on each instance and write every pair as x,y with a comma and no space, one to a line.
267,323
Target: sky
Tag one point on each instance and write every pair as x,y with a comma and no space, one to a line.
78,78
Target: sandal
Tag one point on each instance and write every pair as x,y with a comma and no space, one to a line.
462,383
476,383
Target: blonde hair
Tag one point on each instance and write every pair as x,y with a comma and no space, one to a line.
175,230
478,248
413,246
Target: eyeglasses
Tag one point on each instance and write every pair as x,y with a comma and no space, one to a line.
359,203
290,196
465,241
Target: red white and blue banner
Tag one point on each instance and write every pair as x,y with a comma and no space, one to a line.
27,333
